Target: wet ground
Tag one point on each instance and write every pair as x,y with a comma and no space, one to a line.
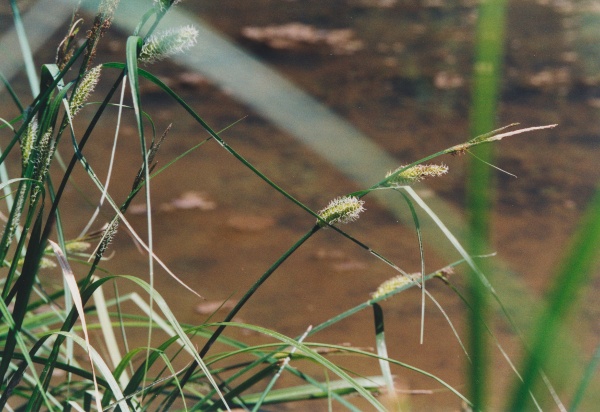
401,76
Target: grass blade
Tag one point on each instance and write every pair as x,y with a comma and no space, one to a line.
25,50
69,277
572,275
102,368
11,91
486,88
422,253
591,368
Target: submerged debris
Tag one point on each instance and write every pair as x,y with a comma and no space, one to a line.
188,200
250,223
299,36
210,307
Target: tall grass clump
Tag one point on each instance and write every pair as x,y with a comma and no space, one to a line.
59,349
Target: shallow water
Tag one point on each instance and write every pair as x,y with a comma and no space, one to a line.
407,88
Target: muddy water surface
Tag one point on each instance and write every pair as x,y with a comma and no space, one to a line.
401,75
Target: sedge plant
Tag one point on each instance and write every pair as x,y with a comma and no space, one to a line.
46,332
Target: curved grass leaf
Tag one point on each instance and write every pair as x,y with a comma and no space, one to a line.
102,368
160,302
319,359
69,277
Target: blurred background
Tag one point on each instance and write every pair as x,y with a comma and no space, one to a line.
324,98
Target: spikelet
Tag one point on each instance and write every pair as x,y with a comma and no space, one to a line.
107,237
107,8
18,206
414,174
102,22
395,283
342,210
167,43
45,149
77,246
84,89
27,141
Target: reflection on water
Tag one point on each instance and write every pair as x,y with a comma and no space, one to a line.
407,88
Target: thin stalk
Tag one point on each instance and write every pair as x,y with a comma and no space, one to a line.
238,306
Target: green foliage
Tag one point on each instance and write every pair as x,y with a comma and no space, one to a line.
38,344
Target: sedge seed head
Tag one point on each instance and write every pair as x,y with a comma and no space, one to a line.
77,246
414,174
45,150
167,43
107,8
107,237
342,210
28,140
85,89
394,283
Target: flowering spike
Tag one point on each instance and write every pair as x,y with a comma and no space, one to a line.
107,8
107,237
11,228
27,141
102,22
45,149
77,246
414,174
159,46
395,283
342,210
84,89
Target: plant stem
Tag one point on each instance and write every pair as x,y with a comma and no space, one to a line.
239,306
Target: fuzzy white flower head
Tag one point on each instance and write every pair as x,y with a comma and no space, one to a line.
167,43
108,7
342,210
